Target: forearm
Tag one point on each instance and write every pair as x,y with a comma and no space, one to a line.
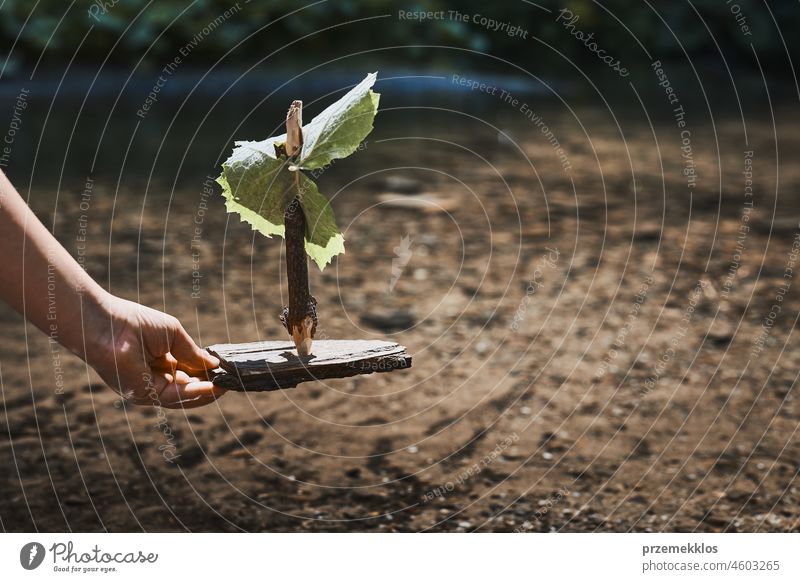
41,280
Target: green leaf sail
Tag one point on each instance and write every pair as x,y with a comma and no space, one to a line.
339,129
258,184
323,239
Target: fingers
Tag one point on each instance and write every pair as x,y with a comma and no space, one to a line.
169,390
196,402
190,357
165,363
156,372
191,394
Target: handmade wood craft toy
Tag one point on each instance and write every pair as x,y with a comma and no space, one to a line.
264,182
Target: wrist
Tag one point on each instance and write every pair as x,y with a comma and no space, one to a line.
93,329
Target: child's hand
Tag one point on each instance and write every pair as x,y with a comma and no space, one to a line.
144,354
148,357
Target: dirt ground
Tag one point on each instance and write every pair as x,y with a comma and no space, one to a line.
589,349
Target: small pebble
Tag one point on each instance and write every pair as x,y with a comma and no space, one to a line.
402,184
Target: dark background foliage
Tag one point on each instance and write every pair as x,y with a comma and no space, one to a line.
54,32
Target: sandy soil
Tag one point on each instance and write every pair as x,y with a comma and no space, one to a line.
591,386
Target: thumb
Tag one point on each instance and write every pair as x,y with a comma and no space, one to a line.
188,353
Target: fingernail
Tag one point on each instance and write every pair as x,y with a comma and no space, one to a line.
199,388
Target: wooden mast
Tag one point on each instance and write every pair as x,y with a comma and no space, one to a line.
300,318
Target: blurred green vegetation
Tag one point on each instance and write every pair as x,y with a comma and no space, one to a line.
54,32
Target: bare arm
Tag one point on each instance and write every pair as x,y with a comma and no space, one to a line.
144,354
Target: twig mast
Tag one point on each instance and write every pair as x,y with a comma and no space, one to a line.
300,318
